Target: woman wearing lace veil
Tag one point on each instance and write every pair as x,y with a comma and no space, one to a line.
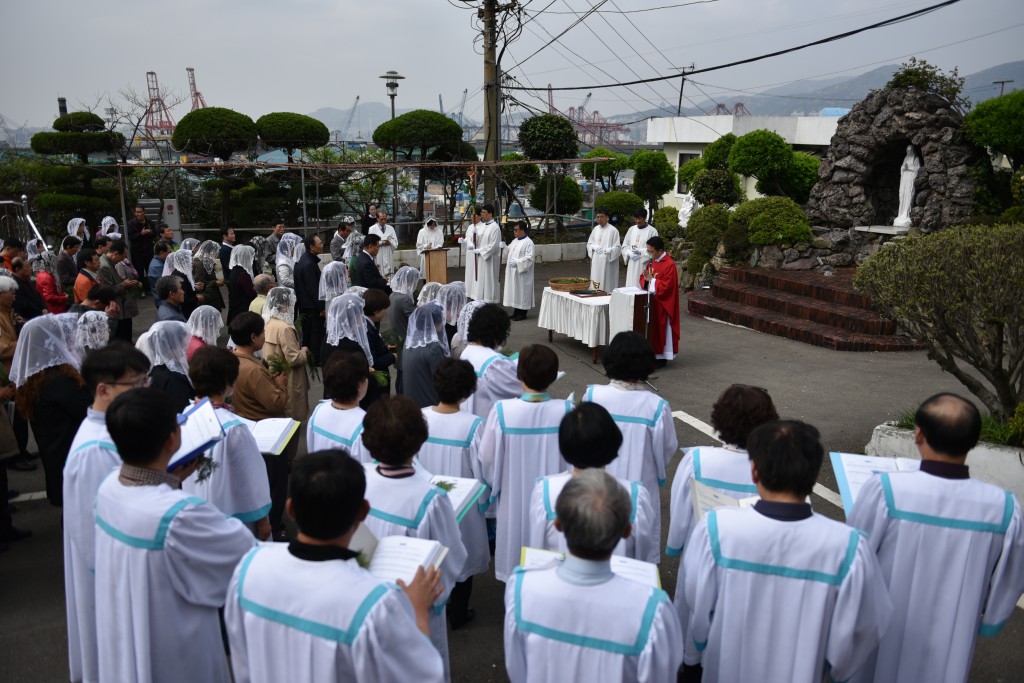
289,249
51,395
333,282
180,263
204,272
44,265
166,346
109,228
460,340
189,244
241,291
428,293
77,228
346,333
92,332
425,347
282,342
204,325
452,298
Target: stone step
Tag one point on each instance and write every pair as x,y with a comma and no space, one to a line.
845,317
837,289
706,304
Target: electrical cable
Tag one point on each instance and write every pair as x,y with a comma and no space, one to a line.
569,28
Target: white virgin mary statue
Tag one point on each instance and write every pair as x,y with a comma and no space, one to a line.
908,174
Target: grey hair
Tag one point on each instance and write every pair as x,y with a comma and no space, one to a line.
593,511
8,284
263,283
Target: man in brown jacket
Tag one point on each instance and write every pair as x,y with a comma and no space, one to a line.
259,395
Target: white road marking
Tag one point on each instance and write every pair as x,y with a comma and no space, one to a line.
705,428
25,497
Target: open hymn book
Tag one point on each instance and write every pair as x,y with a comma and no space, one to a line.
200,431
463,493
706,498
853,471
395,557
272,434
626,567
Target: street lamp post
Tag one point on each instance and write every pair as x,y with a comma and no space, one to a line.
392,78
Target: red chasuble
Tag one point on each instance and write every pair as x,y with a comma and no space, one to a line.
665,303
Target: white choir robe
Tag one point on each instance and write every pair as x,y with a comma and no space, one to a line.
649,439
635,242
163,563
497,378
427,239
640,545
488,245
453,450
519,275
469,242
290,619
385,258
520,445
238,486
91,458
774,600
726,470
952,555
412,506
588,625
331,427
604,247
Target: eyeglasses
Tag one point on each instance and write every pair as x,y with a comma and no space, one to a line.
137,384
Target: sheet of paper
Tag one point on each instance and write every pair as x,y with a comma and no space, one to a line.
464,493
398,557
908,465
201,430
853,470
626,567
706,498
536,558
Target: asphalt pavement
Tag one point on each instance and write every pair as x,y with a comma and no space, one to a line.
844,394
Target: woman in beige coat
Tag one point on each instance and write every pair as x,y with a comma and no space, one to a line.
282,341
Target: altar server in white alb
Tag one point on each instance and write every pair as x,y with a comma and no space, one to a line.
337,421
385,258
163,558
239,486
430,236
404,503
775,591
634,247
648,431
576,620
604,247
519,273
108,372
951,550
726,469
453,449
488,248
497,376
306,610
469,241
588,439
520,445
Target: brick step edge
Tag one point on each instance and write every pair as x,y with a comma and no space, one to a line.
797,282
781,325
829,313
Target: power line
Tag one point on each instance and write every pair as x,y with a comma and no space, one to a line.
838,36
645,9
567,29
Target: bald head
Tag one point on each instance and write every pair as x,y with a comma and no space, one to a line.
593,512
950,424
263,283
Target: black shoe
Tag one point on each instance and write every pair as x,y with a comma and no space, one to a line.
458,621
14,534
20,465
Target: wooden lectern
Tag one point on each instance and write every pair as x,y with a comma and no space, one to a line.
437,265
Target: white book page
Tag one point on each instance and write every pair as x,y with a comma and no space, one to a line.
202,428
363,542
636,570
853,471
706,498
536,558
630,290
462,490
270,432
908,464
398,557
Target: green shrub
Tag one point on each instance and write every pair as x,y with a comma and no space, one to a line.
666,220
800,177
570,196
705,230
696,262
79,122
960,292
715,186
689,170
737,242
716,155
992,193
619,204
772,220
1015,214
1016,186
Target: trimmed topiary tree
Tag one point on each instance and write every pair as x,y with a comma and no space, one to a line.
705,229
799,178
215,132
716,155
689,171
715,186
607,171
772,220
570,195
961,293
653,175
996,123
548,136
666,220
619,205
515,177
762,154
288,132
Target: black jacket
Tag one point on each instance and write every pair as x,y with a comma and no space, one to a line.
307,282
28,302
369,274
225,259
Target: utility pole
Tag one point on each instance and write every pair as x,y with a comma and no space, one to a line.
492,98
682,82
1002,85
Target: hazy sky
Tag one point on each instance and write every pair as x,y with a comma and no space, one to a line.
258,56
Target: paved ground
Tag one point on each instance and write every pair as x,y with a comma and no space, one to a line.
844,394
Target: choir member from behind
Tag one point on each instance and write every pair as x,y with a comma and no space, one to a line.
486,333
951,550
588,439
648,431
108,373
776,592
337,421
405,504
164,559
520,445
578,621
426,345
238,485
453,449
305,611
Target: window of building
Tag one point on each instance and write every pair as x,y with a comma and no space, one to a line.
681,187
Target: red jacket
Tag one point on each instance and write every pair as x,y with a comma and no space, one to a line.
56,300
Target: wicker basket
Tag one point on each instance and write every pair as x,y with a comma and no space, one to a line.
578,283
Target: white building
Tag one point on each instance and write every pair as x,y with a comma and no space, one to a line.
685,137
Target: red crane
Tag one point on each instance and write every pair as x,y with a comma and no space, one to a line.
158,117
197,97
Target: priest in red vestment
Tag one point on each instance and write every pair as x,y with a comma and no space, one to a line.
661,280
